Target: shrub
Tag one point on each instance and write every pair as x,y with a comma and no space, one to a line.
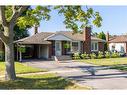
100,55
115,55
107,54
22,49
84,56
92,55
76,56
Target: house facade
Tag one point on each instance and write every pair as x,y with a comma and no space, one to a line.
45,45
117,43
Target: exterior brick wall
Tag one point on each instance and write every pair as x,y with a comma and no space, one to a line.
51,48
63,49
101,46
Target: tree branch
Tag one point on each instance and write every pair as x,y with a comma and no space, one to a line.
17,13
92,14
3,37
2,16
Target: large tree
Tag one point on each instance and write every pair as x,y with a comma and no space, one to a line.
12,15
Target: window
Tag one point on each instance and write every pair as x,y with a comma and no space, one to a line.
94,46
75,46
57,46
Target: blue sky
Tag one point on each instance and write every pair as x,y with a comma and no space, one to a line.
114,20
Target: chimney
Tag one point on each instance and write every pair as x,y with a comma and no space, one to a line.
107,36
87,40
35,29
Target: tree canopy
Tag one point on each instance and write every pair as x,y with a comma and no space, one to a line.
76,17
102,35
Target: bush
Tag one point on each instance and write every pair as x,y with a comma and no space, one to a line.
76,56
100,55
84,56
93,56
115,55
107,54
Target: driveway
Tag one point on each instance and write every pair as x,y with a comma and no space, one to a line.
104,77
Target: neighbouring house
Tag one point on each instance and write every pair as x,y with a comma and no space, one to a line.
48,44
117,43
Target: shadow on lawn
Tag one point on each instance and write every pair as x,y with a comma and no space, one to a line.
37,83
100,76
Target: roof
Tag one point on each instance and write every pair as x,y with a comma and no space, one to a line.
118,39
78,36
40,38
36,39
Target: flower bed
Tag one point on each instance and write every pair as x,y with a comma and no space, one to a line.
98,55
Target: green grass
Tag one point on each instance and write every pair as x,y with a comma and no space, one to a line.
106,61
20,68
45,81
120,67
115,63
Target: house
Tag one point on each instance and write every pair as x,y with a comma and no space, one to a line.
48,44
117,43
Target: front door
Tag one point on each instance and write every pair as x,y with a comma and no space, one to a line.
57,48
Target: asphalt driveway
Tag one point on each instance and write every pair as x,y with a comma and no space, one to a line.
104,77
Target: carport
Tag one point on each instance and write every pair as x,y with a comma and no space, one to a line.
35,48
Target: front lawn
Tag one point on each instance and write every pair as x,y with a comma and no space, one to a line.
45,81
115,63
20,68
106,61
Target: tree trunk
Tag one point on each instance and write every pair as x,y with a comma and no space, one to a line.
9,62
9,55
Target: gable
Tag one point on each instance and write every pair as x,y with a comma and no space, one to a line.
58,37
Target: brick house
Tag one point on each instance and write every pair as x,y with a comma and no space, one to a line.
48,44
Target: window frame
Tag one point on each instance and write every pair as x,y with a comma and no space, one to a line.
78,46
94,48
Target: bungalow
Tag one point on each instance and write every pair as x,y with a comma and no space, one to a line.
117,43
48,44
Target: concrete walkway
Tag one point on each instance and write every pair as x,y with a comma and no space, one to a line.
104,77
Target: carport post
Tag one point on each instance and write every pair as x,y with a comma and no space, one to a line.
20,54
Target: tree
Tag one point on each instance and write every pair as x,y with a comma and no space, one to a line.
12,15
9,17
20,32
102,35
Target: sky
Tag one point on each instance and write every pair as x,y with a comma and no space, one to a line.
114,21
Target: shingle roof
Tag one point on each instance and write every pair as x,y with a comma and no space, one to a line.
39,38
121,38
78,36
35,39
